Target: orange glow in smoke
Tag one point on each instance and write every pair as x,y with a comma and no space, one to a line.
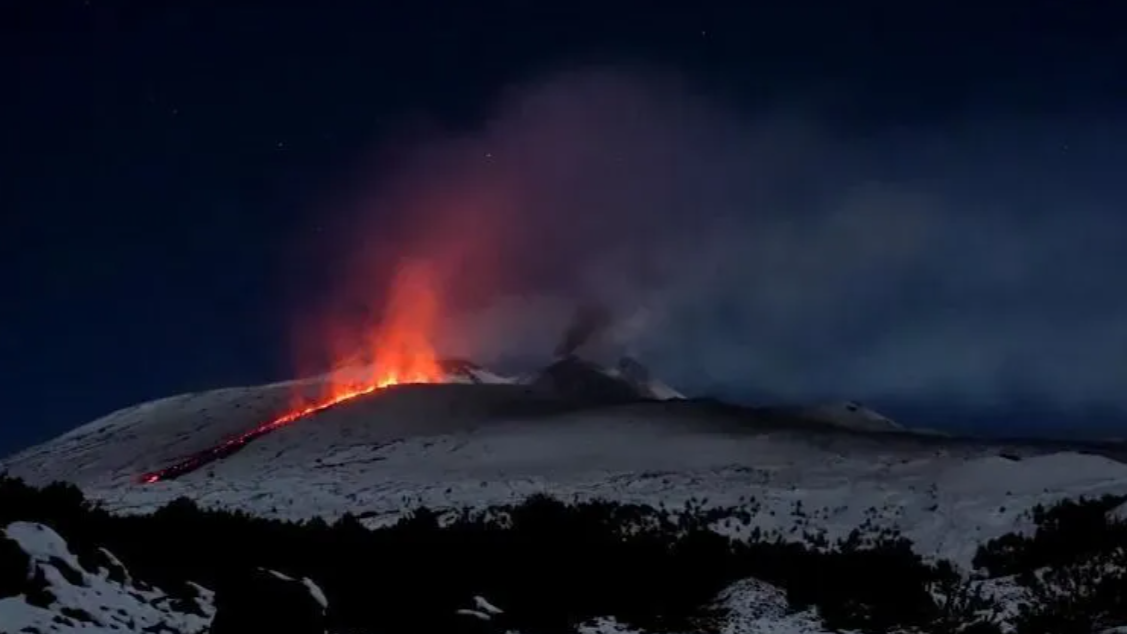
397,352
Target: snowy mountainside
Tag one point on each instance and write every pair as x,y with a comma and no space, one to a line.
465,371
476,445
169,428
647,384
60,595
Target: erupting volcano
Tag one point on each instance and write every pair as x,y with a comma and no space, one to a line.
398,351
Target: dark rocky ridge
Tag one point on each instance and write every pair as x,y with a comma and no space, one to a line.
584,383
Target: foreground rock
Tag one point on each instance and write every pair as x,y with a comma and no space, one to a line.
45,588
269,601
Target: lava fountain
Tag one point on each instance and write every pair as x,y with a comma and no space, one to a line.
397,352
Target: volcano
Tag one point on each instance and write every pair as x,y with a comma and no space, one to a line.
569,383
397,351
449,371
393,426
476,438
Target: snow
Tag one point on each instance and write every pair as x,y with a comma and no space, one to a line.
481,375
1007,597
96,604
604,625
486,440
754,607
850,415
100,604
647,386
485,606
479,445
662,391
481,616
114,561
42,544
314,590
277,575
760,608
996,475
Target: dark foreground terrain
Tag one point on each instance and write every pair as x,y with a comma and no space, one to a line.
554,565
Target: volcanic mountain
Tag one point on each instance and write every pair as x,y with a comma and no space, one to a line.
576,430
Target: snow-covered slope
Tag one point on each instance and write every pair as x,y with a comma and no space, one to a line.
465,371
646,384
448,446
850,415
60,595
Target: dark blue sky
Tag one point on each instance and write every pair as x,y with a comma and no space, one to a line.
180,184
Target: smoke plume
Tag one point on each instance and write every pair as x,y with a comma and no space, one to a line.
771,251
589,321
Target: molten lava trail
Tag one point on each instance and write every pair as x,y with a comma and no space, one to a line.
197,460
398,351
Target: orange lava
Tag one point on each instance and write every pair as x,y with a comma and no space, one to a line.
398,351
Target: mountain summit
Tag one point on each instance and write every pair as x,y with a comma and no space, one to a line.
580,381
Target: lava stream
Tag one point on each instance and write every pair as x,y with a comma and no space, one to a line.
231,445
399,351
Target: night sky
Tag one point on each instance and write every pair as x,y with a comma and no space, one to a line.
910,204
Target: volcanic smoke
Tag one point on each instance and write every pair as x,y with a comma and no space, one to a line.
589,321
398,351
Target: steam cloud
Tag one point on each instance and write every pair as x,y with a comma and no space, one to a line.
769,252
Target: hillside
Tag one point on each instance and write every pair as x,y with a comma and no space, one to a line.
449,446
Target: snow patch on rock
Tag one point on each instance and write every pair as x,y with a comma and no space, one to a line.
62,596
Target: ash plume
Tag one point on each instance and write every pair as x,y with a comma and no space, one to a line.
588,322
768,248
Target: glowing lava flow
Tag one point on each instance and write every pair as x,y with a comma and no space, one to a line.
399,352
231,445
